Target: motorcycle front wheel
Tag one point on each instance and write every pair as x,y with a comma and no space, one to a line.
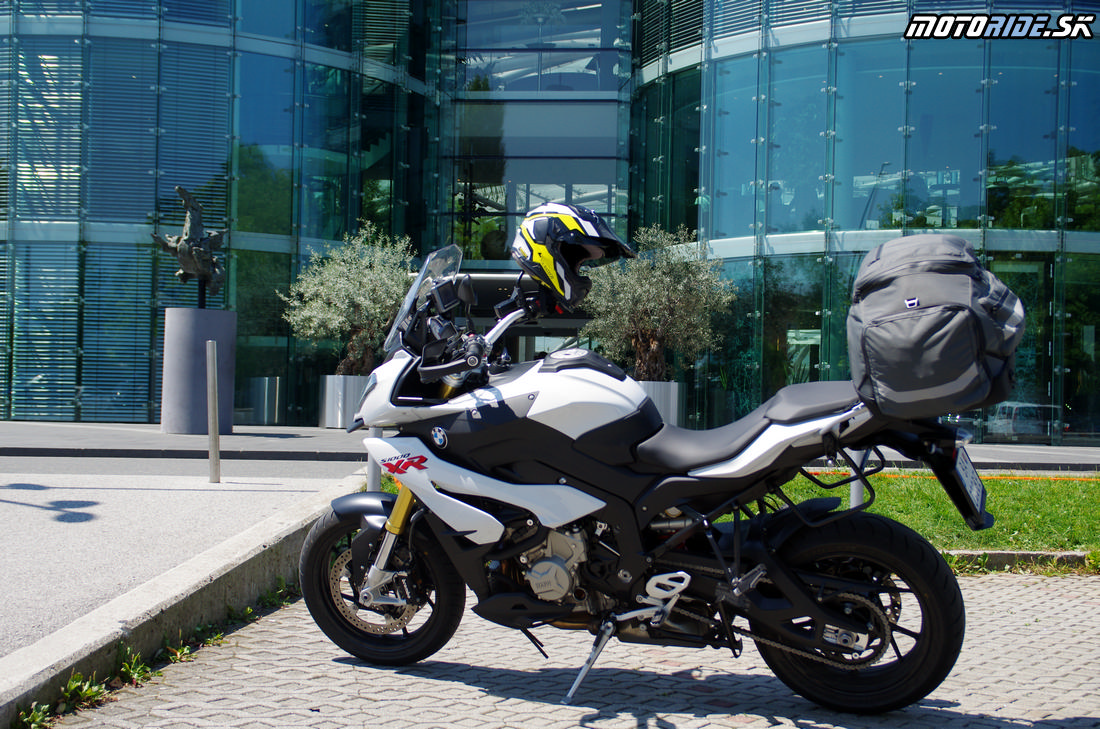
392,635
912,605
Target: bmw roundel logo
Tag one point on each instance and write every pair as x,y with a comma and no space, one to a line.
439,436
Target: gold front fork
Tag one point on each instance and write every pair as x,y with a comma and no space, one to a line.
403,508
379,575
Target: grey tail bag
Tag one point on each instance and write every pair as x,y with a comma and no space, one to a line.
930,330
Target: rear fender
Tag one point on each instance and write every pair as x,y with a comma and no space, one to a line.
372,508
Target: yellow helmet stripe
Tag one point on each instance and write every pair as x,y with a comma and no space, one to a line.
541,256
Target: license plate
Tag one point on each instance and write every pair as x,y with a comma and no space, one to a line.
971,481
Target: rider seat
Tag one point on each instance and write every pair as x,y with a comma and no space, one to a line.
675,449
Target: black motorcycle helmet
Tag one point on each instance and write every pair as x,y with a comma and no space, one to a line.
555,239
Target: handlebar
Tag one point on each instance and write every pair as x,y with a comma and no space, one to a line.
473,350
471,356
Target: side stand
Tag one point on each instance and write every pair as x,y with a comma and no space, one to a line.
606,631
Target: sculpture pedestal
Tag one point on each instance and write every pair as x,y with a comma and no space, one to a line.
183,389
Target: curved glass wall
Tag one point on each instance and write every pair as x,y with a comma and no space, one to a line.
828,134
291,120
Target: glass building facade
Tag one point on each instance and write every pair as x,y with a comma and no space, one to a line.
793,135
820,132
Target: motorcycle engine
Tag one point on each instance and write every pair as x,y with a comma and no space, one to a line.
551,568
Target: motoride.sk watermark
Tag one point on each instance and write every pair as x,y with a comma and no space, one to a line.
986,25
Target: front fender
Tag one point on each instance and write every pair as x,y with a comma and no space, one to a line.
364,503
372,508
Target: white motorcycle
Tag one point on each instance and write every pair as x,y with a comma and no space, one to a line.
554,491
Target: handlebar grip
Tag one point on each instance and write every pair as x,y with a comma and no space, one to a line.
474,351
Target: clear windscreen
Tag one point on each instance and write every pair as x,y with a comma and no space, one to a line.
439,264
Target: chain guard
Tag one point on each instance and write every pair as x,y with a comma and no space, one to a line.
881,620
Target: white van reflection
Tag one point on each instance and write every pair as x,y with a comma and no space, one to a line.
1011,420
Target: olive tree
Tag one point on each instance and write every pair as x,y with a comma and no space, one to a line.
350,293
662,300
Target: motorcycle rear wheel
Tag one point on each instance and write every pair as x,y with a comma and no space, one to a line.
912,600
385,635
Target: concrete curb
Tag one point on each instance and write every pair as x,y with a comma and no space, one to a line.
1006,560
201,591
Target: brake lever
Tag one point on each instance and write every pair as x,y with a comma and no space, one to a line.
473,356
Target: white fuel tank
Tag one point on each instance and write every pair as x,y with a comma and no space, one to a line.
572,391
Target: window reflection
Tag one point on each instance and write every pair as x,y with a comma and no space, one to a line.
1021,163
791,321
870,150
211,12
377,111
325,129
122,118
542,45
328,23
796,145
735,168
265,159
1029,276
945,119
273,18
1083,164
1081,384
511,157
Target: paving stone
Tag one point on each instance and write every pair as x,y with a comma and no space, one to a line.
1030,661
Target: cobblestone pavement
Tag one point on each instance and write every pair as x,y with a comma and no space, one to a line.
1031,659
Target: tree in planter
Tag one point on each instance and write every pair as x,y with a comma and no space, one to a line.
663,299
351,293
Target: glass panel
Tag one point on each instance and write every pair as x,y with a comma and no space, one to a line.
1029,276
116,330
209,12
194,125
328,23
48,117
45,339
273,18
725,383
381,29
870,150
683,207
944,160
123,8
262,337
377,122
325,132
6,288
735,168
1082,373
1022,113
796,144
1083,165
516,45
265,159
524,24
538,129
485,213
791,321
7,95
505,167
121,139
545,70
